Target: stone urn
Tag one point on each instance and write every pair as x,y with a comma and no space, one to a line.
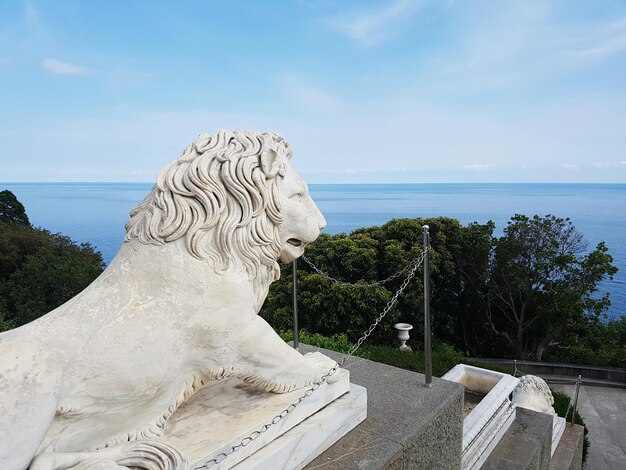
403,335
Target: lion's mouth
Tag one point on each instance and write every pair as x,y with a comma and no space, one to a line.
295,242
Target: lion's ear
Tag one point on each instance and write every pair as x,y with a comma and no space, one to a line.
269,162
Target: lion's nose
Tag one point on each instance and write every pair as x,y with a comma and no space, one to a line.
321,222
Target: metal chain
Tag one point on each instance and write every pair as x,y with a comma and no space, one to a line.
362,285
416,263
283,414
569,407
548,380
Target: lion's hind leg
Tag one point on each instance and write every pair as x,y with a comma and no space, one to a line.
29,392
146,454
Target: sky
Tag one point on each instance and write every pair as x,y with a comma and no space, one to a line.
390,91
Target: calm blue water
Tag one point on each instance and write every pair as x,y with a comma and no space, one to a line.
97,212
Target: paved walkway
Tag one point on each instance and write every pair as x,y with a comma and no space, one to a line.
604,412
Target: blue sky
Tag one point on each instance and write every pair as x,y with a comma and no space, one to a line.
365,91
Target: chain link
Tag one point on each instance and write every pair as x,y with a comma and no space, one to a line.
324,378
362,285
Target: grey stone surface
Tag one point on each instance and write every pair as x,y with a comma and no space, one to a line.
569,453
525,446
593,375
408,426
604,412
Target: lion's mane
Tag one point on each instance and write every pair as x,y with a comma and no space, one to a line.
221,195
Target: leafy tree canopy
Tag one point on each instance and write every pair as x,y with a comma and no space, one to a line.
543,281
39,271
531,291
12,210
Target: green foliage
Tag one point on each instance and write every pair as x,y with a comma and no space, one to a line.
541,283
530,292
39,271
368,255
4,323
338,342
444,358
594,342
11,210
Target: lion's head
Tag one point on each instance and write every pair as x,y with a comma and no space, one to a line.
533,393
235,199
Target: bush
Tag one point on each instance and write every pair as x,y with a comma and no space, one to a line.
337,343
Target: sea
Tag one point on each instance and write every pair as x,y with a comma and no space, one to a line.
97,212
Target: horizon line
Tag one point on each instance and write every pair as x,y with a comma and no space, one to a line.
344,183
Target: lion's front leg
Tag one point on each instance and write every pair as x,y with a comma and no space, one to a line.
272,365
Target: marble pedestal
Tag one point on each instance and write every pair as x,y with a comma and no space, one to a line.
558,426
225,412
485,425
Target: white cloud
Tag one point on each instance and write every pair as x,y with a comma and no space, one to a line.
31,15
478,167
568,166
603,40
602,165
607,48
63,68
374,26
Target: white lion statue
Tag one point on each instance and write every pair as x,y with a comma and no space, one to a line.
533,393
91,384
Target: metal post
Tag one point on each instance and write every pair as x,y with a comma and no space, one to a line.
514,367
428,366
578,380
296,338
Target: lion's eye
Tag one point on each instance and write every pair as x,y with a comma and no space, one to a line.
297,197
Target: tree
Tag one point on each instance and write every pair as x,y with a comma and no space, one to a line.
542,283
531,291
367,255
472,262
12,210
39,271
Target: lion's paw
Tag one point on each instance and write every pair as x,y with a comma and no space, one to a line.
308,370
325,365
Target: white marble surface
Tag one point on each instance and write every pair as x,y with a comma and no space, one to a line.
533,393
220,415
175,309
299,446
484,426
558,427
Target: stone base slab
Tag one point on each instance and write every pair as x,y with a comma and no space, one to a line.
297,447
225,412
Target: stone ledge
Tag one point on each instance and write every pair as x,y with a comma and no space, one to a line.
408,426
569,453
526,445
